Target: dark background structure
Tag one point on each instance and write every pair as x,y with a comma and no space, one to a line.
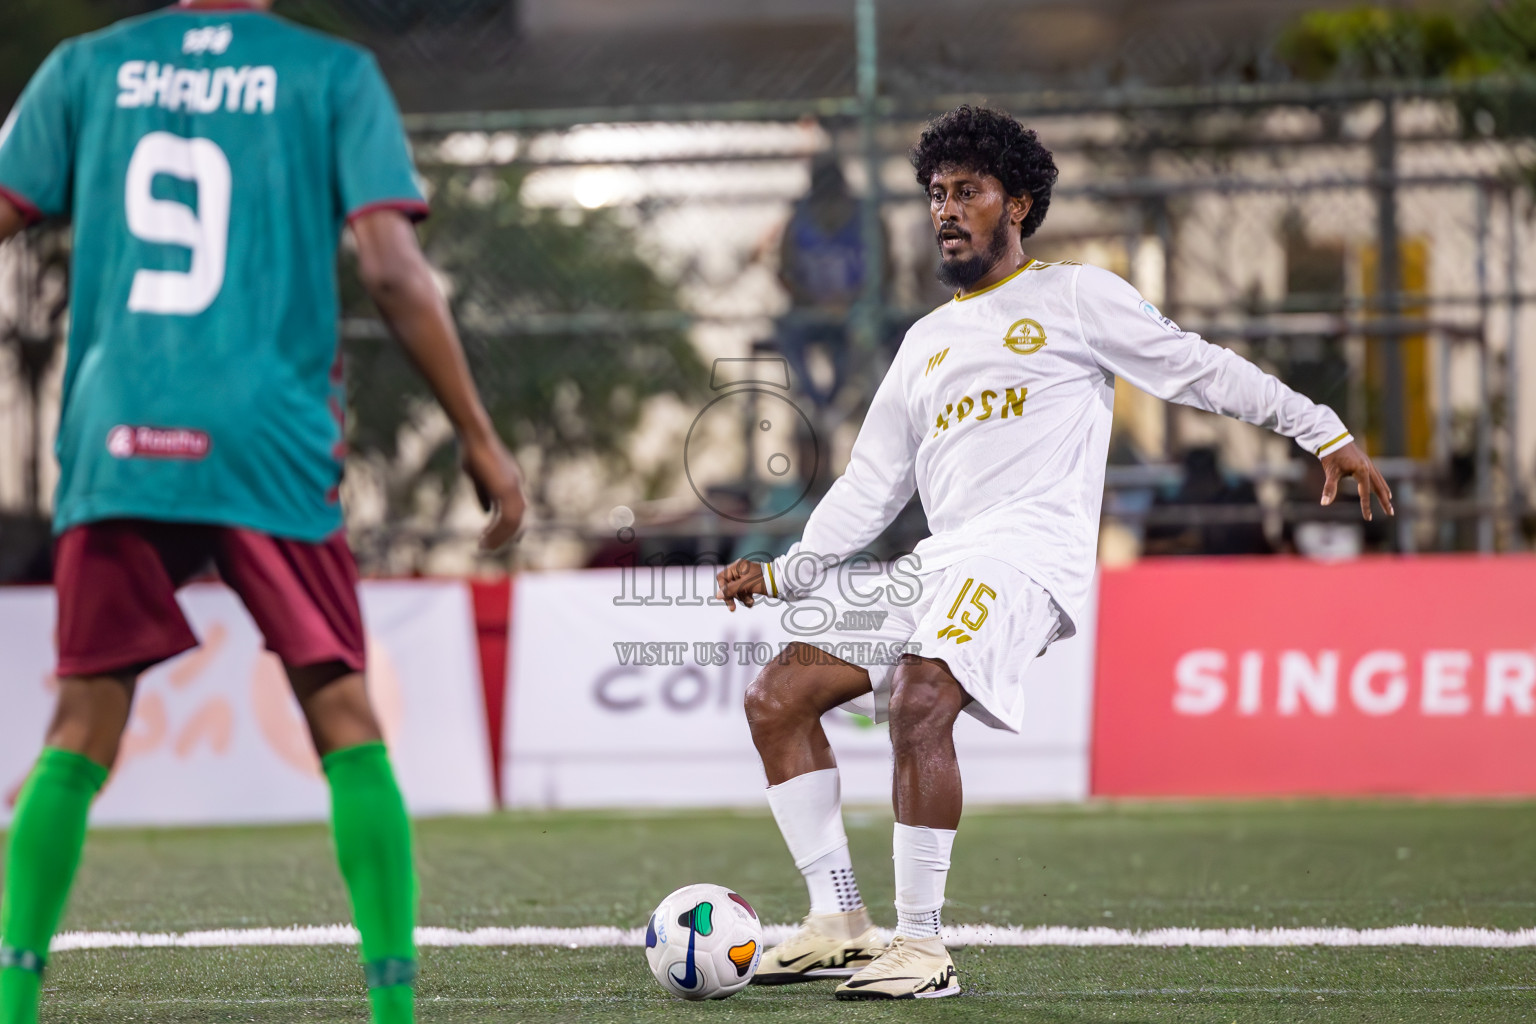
1193,133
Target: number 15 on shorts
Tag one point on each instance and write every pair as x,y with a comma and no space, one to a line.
968,619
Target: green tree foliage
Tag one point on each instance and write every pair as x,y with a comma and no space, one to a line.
1378,42
551,305
1490,47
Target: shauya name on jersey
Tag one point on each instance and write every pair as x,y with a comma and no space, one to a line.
244,89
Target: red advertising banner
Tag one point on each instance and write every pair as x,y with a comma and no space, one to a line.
1277,676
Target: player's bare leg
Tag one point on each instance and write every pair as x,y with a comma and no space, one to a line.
784,706
335,703
371,828
47,833
925,702
91,715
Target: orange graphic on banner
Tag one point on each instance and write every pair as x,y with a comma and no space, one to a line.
212,723
183,671
282,724
146,729
210,728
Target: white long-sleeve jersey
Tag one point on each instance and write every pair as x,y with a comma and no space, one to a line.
997,409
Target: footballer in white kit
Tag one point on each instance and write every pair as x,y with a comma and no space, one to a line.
997,411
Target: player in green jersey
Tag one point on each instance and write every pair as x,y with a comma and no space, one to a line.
209,157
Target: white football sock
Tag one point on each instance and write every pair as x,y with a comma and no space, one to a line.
922,867
809,810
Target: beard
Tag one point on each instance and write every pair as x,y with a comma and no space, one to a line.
962,273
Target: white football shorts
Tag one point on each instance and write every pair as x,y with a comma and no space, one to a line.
983,618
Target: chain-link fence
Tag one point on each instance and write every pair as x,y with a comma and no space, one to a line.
1254,219
678,311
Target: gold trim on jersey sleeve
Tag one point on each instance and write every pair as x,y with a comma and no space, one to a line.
999,284
1344,436
768,570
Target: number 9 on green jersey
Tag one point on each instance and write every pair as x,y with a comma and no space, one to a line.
208,159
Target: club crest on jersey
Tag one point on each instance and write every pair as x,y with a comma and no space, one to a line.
1026,337
1157,317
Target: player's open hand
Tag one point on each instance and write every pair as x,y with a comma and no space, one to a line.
1351,461
740,581
499,486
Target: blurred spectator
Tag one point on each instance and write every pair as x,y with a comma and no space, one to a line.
822,266
1205,484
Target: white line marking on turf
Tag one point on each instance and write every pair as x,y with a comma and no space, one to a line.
1221,990
1403,935
962,935
971,995
778,995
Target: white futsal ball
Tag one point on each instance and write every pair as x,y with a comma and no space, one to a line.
704,942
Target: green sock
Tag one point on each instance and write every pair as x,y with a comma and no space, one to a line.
373,847
46,837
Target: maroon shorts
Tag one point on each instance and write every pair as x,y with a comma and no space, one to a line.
116,582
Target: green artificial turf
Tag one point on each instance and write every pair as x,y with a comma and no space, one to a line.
1127,866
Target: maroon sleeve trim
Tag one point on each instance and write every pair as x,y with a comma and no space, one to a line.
412,208
28,208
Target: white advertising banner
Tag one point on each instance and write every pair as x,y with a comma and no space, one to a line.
594,721
216,736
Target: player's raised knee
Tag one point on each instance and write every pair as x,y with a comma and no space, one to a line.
923,691
764,700
772,698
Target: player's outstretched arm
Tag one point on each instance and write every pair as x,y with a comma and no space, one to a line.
1350,460
1133,340
396,274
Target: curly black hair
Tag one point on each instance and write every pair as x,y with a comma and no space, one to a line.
991,142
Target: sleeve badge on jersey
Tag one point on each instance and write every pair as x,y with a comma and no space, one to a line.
1026,337
1158,318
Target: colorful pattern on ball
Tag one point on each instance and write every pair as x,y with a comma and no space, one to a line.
703,942
743,956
